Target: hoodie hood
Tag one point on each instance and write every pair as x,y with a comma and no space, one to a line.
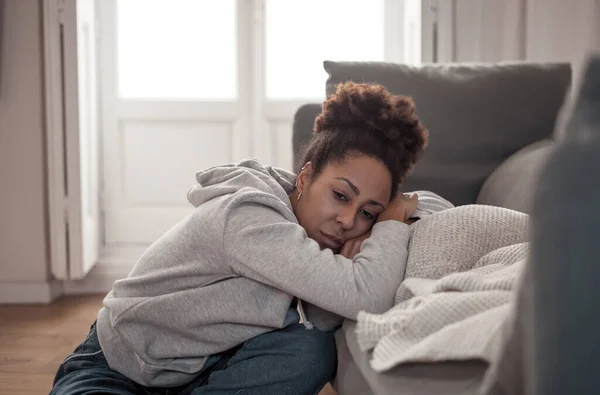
228,179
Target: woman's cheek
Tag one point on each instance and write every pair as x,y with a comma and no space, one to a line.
328,209
365,224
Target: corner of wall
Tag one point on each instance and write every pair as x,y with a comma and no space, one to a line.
30,293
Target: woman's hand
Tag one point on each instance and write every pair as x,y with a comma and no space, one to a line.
400,208
352,246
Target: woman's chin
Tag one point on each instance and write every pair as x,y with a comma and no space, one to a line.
327,247
326,243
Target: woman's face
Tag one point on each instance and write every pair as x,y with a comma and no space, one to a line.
343,201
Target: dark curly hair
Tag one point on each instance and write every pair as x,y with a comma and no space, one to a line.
365,119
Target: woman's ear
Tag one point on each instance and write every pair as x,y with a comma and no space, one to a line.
304,177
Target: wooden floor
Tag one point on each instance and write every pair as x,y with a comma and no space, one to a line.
34,340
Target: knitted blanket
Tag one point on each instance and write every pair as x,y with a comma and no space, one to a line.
462,268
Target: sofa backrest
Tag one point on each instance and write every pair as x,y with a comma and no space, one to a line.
477,115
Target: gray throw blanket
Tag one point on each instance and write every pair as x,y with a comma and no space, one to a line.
463,266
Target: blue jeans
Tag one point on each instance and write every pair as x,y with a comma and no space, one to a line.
292,360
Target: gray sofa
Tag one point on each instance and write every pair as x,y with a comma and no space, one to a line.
491,131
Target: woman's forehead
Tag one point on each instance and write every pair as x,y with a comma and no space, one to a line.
370,176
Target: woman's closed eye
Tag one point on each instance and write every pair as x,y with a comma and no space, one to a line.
368,215
340,196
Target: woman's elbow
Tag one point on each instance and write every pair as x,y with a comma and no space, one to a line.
377,304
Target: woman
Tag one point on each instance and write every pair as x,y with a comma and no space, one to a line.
211,306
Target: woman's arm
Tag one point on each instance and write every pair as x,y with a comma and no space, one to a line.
262,244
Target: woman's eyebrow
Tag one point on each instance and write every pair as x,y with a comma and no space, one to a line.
357,191
352,186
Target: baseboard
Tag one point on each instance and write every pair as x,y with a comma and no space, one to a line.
100,279
30,293
114,265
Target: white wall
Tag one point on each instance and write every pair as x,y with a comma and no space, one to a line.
24,272
536,30
489,31
563,31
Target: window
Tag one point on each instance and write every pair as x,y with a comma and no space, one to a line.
187,84
176,49
301,34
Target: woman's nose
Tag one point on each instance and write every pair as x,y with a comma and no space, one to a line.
346,219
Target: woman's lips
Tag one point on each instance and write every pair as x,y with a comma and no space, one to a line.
331,241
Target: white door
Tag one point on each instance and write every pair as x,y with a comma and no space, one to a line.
183,85
188,84
72,130
173,102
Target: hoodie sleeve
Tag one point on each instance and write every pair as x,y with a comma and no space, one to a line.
264,245
429,203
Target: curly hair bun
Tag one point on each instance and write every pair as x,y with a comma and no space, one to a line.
370,111
372,108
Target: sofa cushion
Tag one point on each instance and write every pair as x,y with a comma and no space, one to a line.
477,114
304,122
356,376
512,185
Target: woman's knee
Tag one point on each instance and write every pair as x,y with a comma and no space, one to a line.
315,350
308,351
90,375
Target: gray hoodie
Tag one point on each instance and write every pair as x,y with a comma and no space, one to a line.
229,272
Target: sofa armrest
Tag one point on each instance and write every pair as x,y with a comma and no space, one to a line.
356,376
512,184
